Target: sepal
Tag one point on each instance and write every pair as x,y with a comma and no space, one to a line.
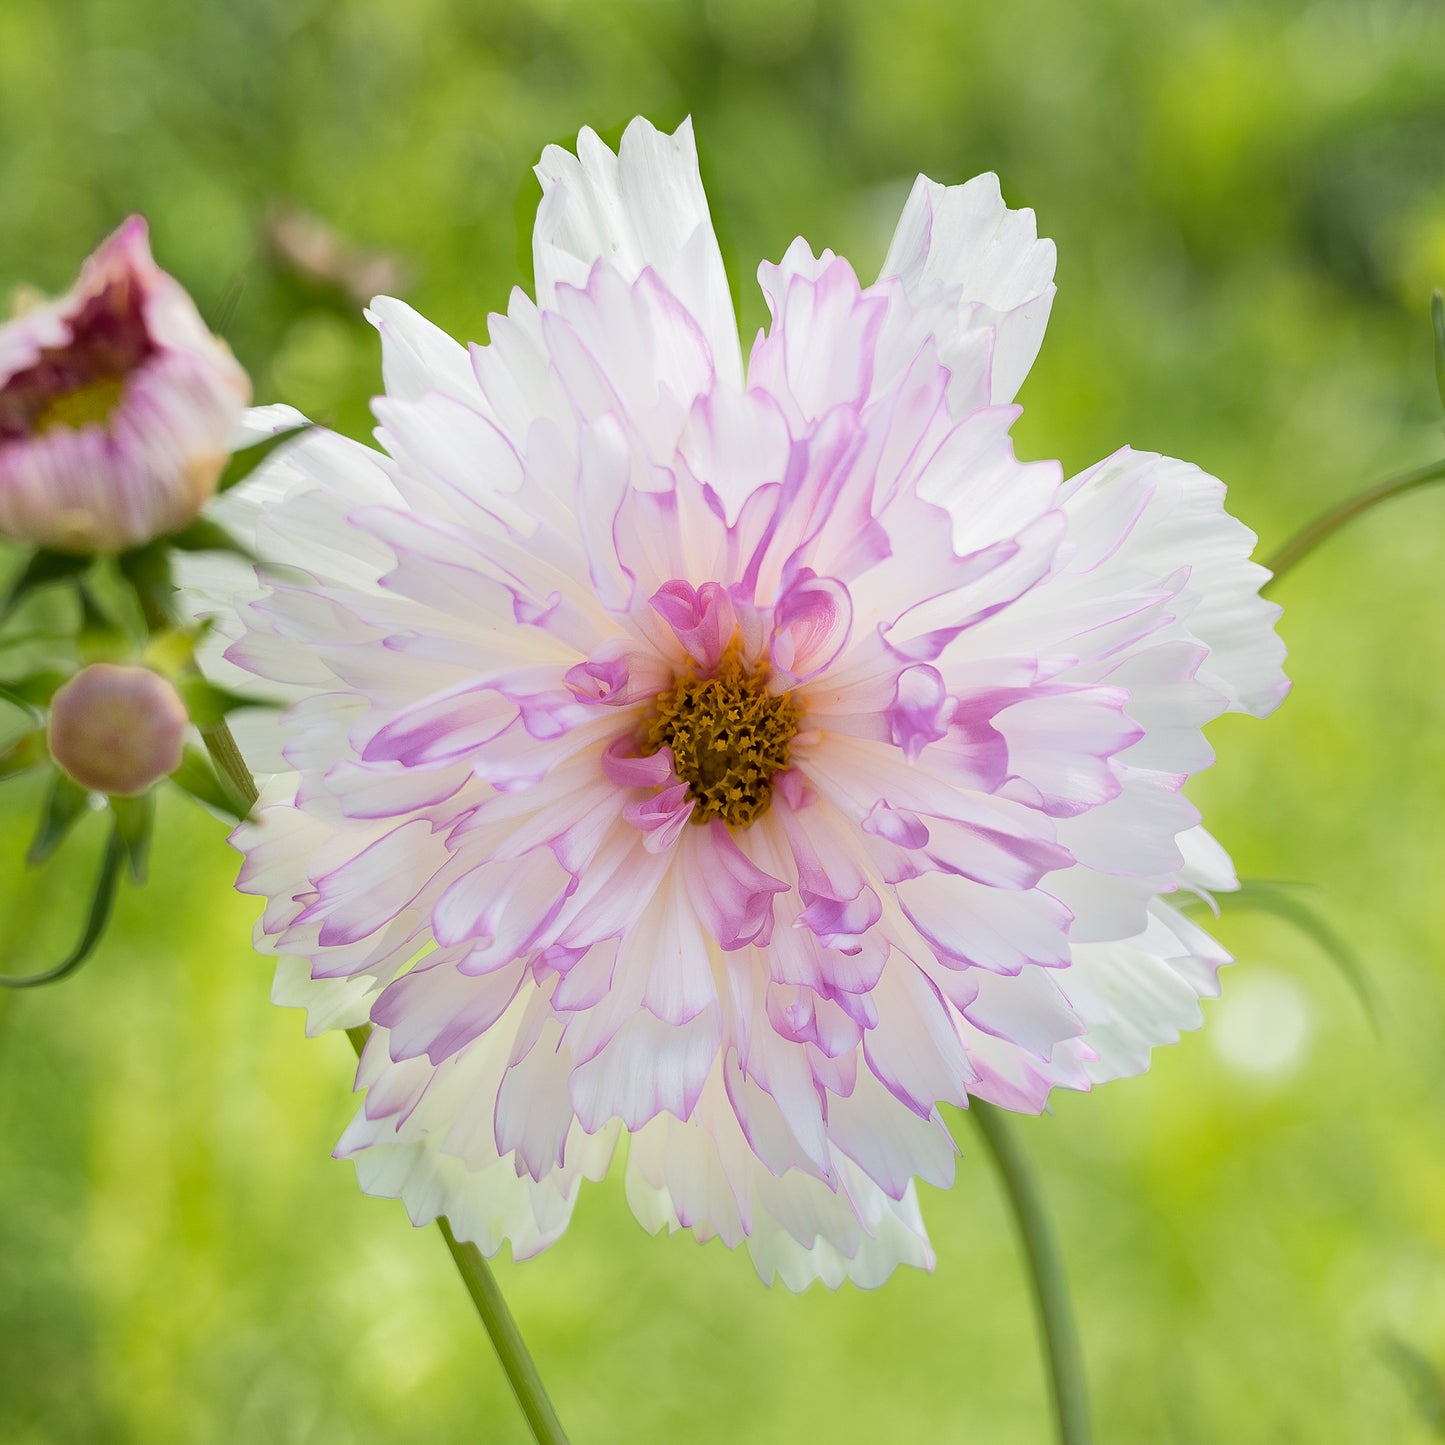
134,825
32,694
197,777
208,704
65,805
26,752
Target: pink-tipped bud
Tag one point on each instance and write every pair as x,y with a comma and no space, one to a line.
117,729
117,407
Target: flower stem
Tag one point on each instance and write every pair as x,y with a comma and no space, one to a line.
227,757
1326,525
522,1374
1046,1272
506,1338
476,1274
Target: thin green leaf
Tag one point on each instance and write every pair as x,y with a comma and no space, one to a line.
92,619
1422,1378
26,752
101,903
43,568
34,635
34,692
65,806
1437,316
204,535
148,571
100,639
197,777
15,700
134,824
243,463
1283,901
207,703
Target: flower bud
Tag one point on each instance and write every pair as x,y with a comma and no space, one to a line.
117,406
117,729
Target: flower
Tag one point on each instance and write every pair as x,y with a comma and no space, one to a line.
117,729
747,759
116,407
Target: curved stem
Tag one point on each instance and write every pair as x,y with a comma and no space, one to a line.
100,908
1325,526
1046,1272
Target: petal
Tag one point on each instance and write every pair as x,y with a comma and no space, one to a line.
1184,524
967,260
643,207
647,1067
735,899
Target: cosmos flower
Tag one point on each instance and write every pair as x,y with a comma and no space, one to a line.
116,407
749,760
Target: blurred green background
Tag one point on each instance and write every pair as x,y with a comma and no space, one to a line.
1249,203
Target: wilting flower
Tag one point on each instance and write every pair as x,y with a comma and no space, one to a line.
116,407
117,729
749,759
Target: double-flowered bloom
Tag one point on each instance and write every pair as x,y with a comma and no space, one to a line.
750,759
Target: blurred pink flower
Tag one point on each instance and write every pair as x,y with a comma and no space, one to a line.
117,407
750,760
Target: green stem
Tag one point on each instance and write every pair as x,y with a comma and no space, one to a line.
1325,526
227,757
506,1338
1046,1272
522,1374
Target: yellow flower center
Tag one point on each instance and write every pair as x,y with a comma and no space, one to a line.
730,737
93,401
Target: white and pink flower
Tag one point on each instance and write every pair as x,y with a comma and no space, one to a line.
117,407
749,759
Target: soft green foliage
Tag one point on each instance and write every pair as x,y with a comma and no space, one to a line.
1247,202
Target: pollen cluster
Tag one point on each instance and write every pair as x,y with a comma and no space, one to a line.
729,737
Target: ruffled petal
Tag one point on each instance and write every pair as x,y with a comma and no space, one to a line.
977,267
641,208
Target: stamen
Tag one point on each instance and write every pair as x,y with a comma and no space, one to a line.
730,737
92,402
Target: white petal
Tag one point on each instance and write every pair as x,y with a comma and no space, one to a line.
1183,524
418,356
1145,991
330,1003
960,252
641,208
